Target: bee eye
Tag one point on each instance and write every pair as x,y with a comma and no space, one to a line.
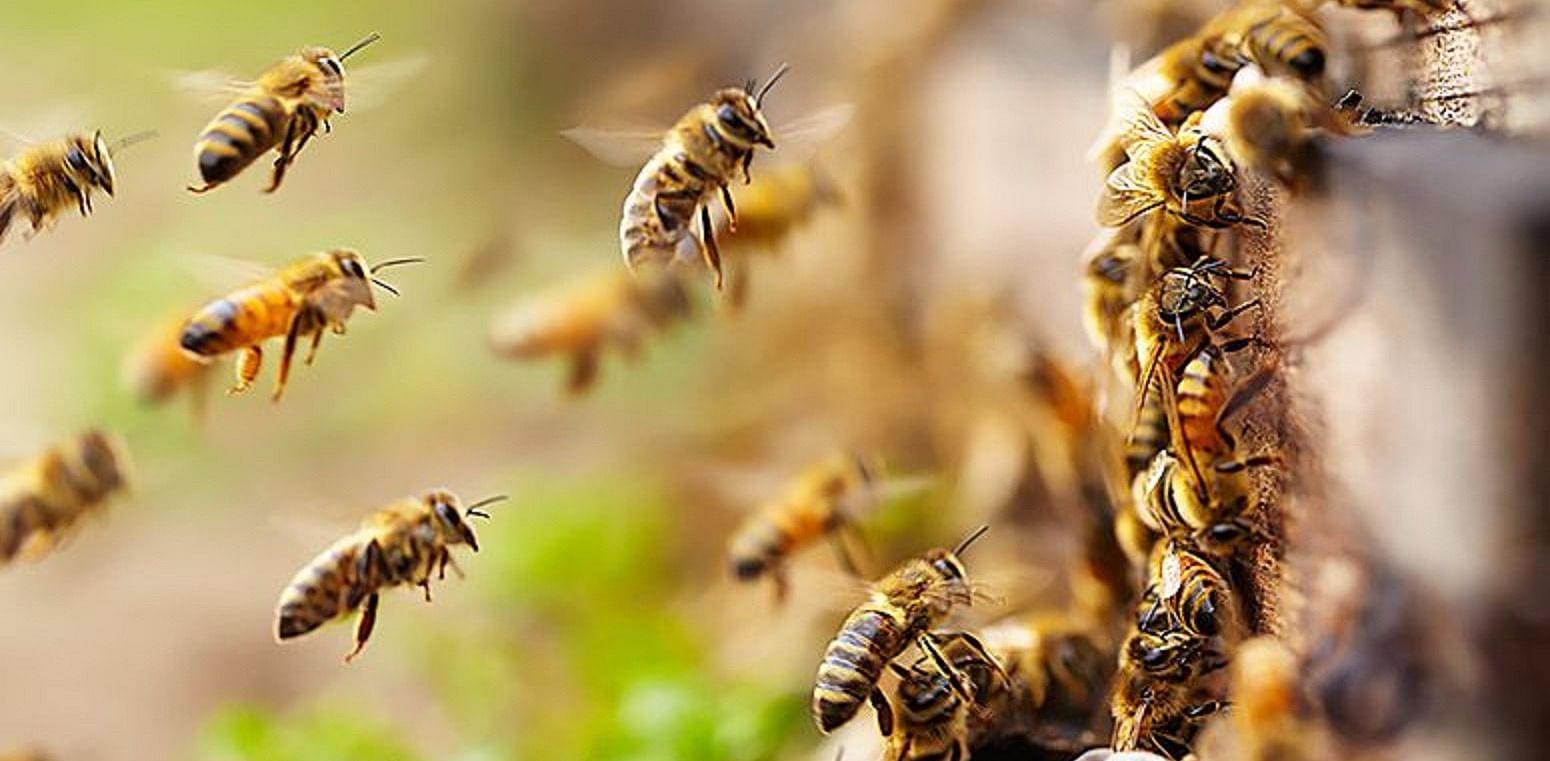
733,121
76,159
946,569
353,269
333,67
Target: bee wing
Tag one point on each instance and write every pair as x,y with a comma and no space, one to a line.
1142,128
209,85
222,274
20,132
369,87
623,146
800,137
1125,197
1172,574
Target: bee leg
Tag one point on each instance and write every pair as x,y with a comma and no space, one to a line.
979,649
247,369
363,627
426,585
928,645
286,354
782,585
285,155
884,711
708,246
583,372
1223,319
448,560
201,190
312,351
747,162
726,200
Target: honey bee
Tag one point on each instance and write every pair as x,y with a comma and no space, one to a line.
1110,284
159,368
280,111
43,499
45,180
400,545
820,503
1187,174
1400,7
1058,664
1161,693
307,296
1268,123
1187,593
1271,34
585,318
931,718
699,156
902,608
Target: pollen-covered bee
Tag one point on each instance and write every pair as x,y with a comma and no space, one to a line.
584,318
282,110
901,610
308,296
158,368
47,179
400,545
43,499
1187,174
820,503
698,158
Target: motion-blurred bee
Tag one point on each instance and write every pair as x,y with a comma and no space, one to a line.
583,319
43,499
822,502
400,545
1270,34
317,292
1189,594
47,179
1110,284
159,367
1267,123
699,156
902,608
1187,174
280,111
1265,689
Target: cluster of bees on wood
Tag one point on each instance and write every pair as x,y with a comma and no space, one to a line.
1158,646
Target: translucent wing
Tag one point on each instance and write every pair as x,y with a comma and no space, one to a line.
799,137
1172,574
626,146
209,85
221,274
1142,128
1126,197
19,132
369,87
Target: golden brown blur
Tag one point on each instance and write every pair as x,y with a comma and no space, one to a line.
1222,317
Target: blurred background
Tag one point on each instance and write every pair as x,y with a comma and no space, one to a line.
599,620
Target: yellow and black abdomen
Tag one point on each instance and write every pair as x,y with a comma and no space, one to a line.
238,135
241,319
853,663
329,587
1287,43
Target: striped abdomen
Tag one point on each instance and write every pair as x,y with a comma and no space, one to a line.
771,535
241,319
330,586
240,134
868,641
1202,393
1287,42
1150,434
658,220
1203,82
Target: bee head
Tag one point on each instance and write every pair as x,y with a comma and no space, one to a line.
1183,293
739,118
356,278
332,67
90,160
1205,174
451,516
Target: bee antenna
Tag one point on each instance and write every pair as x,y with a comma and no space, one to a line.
370,38
384,286
780,72
396,262
138,137
474,511
971,539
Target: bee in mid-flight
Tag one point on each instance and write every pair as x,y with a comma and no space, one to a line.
312,294
400,545
281,111
1187,174
158,368
43,499
822,502
699,157
582,319
48,179
901,610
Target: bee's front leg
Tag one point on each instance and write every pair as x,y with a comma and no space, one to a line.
363,627
247,369
312,351
285,357
711,251
284,159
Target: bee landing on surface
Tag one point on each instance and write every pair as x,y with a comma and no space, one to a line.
400,545
47,179
699,156
318,292
901,610
281,111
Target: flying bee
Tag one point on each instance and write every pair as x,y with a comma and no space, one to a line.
400,545
934,719
821,503
317,292
1187,174
43,499
45,180
1187,592
158,368
584,318
901,609
280,111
